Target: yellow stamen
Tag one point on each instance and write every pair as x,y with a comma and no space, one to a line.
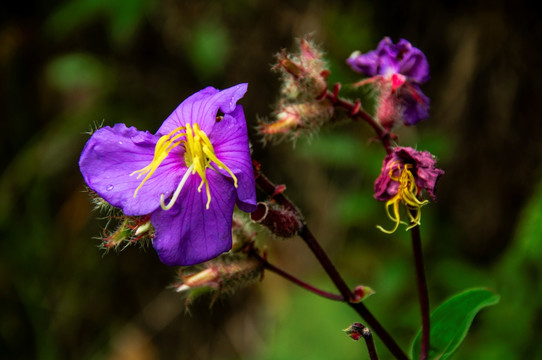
199,155
406,194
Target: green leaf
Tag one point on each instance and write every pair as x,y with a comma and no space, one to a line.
451,321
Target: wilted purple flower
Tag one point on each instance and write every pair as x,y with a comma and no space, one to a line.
194,150
405,172
399,69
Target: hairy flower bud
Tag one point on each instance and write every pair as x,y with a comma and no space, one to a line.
242,232
295,119
305,70
130,229
224,274
282,222
301,109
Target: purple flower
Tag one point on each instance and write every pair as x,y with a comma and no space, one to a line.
399,69
188,176
405,172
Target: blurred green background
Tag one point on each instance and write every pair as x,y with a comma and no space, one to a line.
67,65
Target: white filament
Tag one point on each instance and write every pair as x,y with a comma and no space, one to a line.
177,191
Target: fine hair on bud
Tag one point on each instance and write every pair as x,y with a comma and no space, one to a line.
128,230
223,275
279,220
243,232
294,120
301,109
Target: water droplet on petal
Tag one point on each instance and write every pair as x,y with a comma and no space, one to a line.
120,142
109,187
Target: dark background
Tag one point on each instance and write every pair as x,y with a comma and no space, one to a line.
66,66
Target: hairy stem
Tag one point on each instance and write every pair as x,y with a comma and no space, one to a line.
422,290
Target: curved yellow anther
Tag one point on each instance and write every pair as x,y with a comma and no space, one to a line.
406,194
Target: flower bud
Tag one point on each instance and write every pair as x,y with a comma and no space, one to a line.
282,222
225,274
130,229
295,119
209,277
302,108
242,232
121,235
288,65
304,70
99,203
357,331
361,292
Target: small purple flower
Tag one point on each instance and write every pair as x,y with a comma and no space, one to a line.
405,172
188,176
399,69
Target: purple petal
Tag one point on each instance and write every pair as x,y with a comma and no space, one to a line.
388,57
364,63
385,188
415,66
230,140
112,154
202,108
424,171
415,104
188,233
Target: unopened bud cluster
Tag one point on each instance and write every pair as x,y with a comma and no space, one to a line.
224,274
300,109
279,220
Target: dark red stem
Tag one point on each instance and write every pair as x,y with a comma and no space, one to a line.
295,280
422,290
268,187
354,111
368,337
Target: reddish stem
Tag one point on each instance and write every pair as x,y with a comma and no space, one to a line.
354,111
268,187
422,291
295,280
368,337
